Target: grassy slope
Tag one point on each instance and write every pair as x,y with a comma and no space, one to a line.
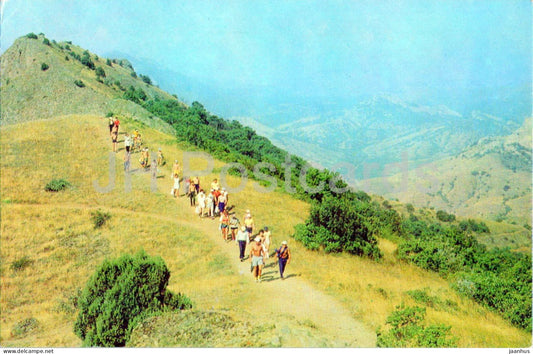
56,233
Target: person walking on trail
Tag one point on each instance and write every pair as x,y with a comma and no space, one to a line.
145,156
222,200
176,188
128,142
256,258
192,194
215,185
136,140
284,257
195,183
111,123
176,168
233,225
209,204
267,241
224,225
249,222
242,240
160,158
201,202
114,137
127,158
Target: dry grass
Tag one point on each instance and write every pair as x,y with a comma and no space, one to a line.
56,232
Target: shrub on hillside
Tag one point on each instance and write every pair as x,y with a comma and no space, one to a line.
121,293
21,264
146,79
44,66
445,217
99,218
22,328
338,225
57,185
86,60
100,72
46,41
32,35
79,83
406,330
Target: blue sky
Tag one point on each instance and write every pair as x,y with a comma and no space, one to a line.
317,48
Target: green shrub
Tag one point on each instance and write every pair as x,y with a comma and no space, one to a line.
21,264
79,83
444,216
121,293
100,72
46,41
24,327
406,330
32,35
108,62
44,66
338,225
99,218
57,185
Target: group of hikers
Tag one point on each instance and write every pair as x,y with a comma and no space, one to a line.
211,204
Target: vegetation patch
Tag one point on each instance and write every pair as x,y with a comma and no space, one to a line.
22,328
57,185
21,264
405,329
120,294
99,218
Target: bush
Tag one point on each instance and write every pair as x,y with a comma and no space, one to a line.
338,225
44,66
57,185
21,264
24,327
445,217
100,72
99,218
32,35
146,79
79,83
46,42
121,293
405,330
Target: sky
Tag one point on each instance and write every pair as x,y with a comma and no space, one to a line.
322,48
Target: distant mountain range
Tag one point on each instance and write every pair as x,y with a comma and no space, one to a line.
383,130
490,179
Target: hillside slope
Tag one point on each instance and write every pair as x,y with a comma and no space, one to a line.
29,93
491,180
327,300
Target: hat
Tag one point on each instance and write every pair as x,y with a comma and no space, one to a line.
284,243
243,228
248,211
257,239
159,149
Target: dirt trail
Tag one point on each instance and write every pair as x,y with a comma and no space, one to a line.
304,316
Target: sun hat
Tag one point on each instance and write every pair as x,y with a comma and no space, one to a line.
284,243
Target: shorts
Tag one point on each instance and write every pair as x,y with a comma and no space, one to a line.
257,261
223,226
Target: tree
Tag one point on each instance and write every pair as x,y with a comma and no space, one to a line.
146,79
121,293
100,72
108,62
86,60
44,66
46,41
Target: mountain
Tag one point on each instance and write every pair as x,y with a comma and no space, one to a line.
31,92
384,130
490,179
55,128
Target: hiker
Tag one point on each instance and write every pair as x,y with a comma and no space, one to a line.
114,137
249,222
267,241
116,123
224,225
143,160
128,142
222,200
256,258
136,140
195,184
215,185
127,161
234,225
242,240
192,194
216,195
111,124
176,188
176,168
160,158
284,257
201,202
209,205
